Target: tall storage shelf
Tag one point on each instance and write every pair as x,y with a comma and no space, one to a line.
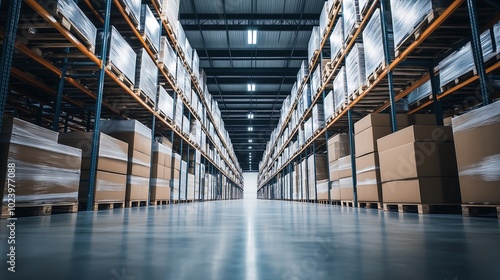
54,59
404,66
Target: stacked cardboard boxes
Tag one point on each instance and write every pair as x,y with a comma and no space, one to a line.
318,177
161,172
418,166
476,137
111,176
138,137
338,147
44,171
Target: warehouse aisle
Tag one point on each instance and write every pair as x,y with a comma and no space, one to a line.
253,240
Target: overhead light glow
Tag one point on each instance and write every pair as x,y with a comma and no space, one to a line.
251,116
251,87
250,129
250,140
250,147
252,37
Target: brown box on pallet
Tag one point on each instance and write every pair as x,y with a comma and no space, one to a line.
322,189
366,140
139,164
384,120
137,135
45,171
109,187
346,188
112,154
478,154
177,161
345,167
160,189
338,146
423,190
334,170
157,171
369,185
417,151
137,188
335,190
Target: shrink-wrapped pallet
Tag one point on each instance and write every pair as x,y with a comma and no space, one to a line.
302,74
168,57
121,57
150,28
355,69
170,11
146,76
318,117
373,44
195,65
188,51
181,37
350,16
316,81
329,105
314,43
134,10
323,20
420,93
340,89
165,103
337,39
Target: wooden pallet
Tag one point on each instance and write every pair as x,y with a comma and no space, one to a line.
374,76
370,205
70,27
341,109
135,203
422,208
347,203
353,30
165,117
103,205
365,9
151,46
170,76
475,210
121,77
160,202
337,57
23,210
323,202
356,94
314,57
128,12
334,7
336,202
145,98
417,31
326,72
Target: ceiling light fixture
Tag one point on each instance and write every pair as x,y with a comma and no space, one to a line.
251,116
250,87
252,37
250,140
250,128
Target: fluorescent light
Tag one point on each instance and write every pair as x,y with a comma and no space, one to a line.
250,147
250,140
250,87
251,115
252,37
250,128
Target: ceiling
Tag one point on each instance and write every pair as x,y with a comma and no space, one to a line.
218,30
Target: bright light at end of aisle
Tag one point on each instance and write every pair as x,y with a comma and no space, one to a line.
252,37
250,87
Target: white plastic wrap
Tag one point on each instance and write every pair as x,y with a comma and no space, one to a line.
165,103
186,125
181,37
323,20
373,44
150,28
308,129
355,68
329,105
340,89
462,61
351,16
168,57
121,55
146,76
170,12
70,11
318,117
306,96
314,43
188,51
195,65
364,5
113,126
484,116
302,74
179,112
337,39
496,35
420,92
407,14
316,81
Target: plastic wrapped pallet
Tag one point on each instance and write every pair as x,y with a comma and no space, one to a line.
340,89
181,37
318,117
179,112
350,16
496,35
170,11
146,76
165,103
374,45
121,56
308,126
324,20
168,57
355,69
195,65
337,39
316,82
134,8
45,171
302,74
406,15
188,51
136,134
420,93
306,96
364,5
462,61
314,43
186,125
71,12
150,28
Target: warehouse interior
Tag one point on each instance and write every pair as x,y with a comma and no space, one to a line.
250,139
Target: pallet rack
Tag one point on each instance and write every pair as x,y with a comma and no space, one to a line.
46,53
413,66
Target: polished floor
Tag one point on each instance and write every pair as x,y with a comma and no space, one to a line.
253,239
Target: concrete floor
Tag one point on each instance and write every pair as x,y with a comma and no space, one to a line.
253,240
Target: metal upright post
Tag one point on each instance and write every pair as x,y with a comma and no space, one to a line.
7,55
314,169
477,51
98,109
353,159
153,126
438,111
387,50
60,91
88,126
180,171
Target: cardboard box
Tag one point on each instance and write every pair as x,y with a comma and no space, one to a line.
109,187
137,135
177,161
415,133
402,120
322,187
160,189
334,170
335,190
338,146
478,154
423,190
345,167
418,159
139,164
137,188
366,140
369,185
346,188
